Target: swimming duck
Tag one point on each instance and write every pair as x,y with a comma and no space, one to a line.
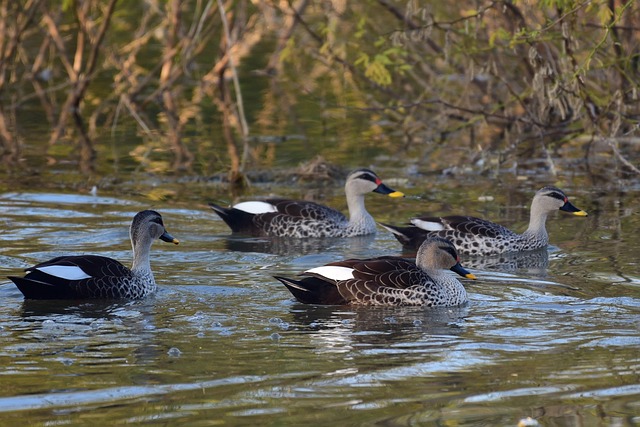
387,280
475,236
299,218
92,276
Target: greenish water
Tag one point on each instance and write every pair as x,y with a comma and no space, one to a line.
222,342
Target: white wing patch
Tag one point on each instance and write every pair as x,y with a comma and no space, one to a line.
333,272
427,225
66,272
255,207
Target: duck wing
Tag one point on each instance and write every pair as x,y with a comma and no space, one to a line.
462,225
305,209
382,280
69,277
376,281
299,218
278,217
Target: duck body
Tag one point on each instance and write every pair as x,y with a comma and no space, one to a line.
83,277
290,218
479,237
298,218
387,280
470,235
93,276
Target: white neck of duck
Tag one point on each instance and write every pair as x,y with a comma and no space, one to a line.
359,218
537,229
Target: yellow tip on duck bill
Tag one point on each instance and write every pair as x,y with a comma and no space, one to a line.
398,194
580,213
166,237
470,276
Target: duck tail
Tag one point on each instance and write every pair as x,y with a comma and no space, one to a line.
312,290
411,237
239,221
34,289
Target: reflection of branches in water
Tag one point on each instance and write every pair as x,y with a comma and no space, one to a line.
242,120
511,81
81,72
11,34
72,44
182,158
490,102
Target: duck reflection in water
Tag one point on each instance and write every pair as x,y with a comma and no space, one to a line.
286,246
338,328
534,263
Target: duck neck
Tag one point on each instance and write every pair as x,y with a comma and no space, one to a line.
141,265
358,215
537,222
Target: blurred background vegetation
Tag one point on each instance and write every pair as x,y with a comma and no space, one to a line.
206,87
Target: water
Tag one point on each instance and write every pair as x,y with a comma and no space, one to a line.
554,337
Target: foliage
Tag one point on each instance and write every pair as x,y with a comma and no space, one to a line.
492,81
481,82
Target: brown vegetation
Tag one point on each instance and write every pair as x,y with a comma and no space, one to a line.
483,82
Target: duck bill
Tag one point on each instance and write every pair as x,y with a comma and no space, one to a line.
568,207
461,271
383,189
166,237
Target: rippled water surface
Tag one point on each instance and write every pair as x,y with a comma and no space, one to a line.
554,336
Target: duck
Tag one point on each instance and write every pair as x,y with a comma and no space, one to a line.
99,277
278,217
387,280
479,237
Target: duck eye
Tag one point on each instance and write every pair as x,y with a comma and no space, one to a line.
368,177
558,196
450,251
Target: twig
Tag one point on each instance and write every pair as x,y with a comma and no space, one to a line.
72,104
236,84
286,33
611,143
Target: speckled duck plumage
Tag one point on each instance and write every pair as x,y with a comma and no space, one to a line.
299,218
92,276
475,236
389,281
